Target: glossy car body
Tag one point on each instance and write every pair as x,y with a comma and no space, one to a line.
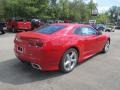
18,25
52,46
100,27
109,28
36,23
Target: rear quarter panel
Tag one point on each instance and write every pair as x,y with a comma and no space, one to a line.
60,44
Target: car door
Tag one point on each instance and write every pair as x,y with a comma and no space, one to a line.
100,40
89,40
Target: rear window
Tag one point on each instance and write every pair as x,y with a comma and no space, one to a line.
49,29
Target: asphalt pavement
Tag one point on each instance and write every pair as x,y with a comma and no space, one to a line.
101,72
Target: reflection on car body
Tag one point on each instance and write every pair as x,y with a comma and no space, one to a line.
60,46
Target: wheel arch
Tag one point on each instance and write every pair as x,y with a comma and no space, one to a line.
71,47
78,50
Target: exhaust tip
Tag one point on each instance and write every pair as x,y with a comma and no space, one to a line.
36,66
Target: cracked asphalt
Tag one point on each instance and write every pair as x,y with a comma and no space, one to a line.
101,72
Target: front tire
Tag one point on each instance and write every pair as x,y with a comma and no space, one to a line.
69,60
106,47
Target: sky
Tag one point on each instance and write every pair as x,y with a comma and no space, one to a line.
104,5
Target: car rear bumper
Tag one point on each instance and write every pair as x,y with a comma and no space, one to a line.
46,60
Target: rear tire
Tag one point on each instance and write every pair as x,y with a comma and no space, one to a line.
2,31
69,60
14,30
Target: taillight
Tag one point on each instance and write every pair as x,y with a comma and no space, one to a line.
17,38
36,42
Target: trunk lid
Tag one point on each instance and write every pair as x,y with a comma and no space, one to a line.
32,35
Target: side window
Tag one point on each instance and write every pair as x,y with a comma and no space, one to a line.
88,31
78,31
85,31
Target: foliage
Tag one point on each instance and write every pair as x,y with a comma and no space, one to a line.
103,18
76,10
114,12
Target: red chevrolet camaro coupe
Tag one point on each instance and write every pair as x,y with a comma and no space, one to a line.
59,46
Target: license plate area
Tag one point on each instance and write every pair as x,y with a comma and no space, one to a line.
20,49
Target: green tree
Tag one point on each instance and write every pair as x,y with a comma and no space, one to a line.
102,18
76,10
114,12
26,8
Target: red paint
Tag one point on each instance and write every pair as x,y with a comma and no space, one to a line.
51,47
19,25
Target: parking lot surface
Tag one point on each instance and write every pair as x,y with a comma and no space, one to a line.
102,72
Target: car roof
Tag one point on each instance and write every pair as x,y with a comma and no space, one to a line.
70,24
69,27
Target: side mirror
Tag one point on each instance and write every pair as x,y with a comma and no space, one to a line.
99,32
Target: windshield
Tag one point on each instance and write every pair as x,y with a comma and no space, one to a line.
49,29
